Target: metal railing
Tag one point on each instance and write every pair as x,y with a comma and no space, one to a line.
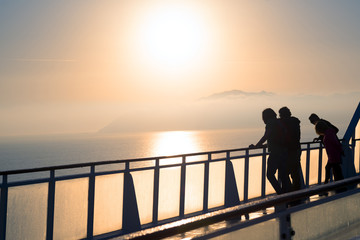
76,201
215,162
279,207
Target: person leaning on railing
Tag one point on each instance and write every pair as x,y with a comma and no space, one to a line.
314,119
333,150
274,136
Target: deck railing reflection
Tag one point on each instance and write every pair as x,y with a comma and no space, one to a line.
111,198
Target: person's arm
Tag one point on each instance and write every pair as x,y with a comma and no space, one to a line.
262,140
318,139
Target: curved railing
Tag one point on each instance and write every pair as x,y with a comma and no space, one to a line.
112,198
141,190
296,214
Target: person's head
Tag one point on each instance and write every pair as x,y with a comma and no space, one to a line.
314,118
268,114
321,127
284,112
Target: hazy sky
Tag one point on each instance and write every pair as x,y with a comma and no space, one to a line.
75,66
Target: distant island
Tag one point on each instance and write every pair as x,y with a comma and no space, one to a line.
232,109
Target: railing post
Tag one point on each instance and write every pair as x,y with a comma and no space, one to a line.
320,163
353,142
286,230
91,203
206,184
307,165
3,207
348,159
354,153
156,191
263,174
51,206
246,176
349,169
182,187
352,126
350,166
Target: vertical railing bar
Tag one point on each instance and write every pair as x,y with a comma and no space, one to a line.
51,206
307,165
156,191
228,156
263,174
353,145
246,176
91,190
3,207
91,203
182,187
320,163
127,166
356,142
206,184
353,153
226,166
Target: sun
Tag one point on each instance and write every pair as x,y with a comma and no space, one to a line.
173,35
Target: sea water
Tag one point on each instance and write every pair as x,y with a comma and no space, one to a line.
27,204
54,150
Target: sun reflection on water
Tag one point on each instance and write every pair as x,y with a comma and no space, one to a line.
175,142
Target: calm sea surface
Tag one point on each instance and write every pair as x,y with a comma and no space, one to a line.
51,150
40,151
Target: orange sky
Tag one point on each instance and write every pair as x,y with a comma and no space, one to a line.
64,61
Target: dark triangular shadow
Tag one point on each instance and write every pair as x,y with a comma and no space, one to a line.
131,219
231,192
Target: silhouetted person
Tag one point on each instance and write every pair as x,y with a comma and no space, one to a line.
274,136
292,126
333,150
315,119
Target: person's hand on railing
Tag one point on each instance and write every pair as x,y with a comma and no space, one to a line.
252,146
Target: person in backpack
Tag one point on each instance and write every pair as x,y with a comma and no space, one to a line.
275,137
293,134
333,151
314,119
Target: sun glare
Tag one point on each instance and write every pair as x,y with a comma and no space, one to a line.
177,142
173,36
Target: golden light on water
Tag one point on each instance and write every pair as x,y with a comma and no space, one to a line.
175,142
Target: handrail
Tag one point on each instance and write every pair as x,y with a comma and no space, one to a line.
235,212
108,162
183,162
246,154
